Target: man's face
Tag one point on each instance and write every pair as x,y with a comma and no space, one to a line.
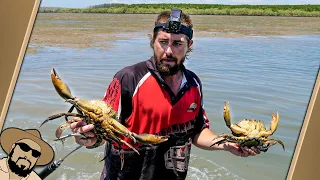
22,159
170,52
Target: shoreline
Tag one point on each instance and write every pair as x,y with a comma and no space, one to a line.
86,30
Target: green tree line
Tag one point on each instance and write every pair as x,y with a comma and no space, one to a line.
200,9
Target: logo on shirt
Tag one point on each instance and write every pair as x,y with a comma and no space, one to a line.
192,107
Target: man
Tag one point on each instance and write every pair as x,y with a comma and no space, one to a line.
159,96
25,150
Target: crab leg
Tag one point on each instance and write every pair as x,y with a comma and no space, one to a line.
274,141
143,138
71,109
226,138
118,141
60,115
106,138
117,127
70,135
122,141
66,115
120,150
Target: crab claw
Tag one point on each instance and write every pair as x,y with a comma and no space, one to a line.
227,118
62,88
60,115
52,117
274,123
226,114
61,128
150,138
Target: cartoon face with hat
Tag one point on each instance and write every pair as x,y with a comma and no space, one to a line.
25,149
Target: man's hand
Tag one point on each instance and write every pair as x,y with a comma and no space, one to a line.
204,141
240,151
81,127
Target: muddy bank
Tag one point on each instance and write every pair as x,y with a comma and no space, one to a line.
96,30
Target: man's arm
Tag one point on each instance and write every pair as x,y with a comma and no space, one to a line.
205,138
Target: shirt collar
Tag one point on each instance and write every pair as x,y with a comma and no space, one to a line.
184,80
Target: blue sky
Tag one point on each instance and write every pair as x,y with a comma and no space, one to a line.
86,3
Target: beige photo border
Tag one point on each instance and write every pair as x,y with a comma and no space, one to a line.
17,20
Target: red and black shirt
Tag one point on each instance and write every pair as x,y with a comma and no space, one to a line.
146,104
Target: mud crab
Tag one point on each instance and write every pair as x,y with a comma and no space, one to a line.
97,112
249,132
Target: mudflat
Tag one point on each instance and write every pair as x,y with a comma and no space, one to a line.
87,30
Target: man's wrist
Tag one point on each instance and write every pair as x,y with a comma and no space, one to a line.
224,146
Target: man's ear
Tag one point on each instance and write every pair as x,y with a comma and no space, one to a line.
150,35
151,39
190,43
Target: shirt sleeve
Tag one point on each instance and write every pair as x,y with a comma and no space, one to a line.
202,120
113,94
206,122
119,94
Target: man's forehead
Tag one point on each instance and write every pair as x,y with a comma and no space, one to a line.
30,142
172,36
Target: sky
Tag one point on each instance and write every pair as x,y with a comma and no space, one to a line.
87,3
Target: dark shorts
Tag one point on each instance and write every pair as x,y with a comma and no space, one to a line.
153,163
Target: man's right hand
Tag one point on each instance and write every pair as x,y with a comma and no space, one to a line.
81,127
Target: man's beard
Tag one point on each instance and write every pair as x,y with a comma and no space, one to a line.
166,69
16,169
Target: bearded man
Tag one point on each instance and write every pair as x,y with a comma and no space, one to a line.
159,96
25,150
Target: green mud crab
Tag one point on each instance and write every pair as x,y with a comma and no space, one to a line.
249,132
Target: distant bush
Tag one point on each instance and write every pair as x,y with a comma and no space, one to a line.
201,9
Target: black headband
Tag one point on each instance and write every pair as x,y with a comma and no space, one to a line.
174,24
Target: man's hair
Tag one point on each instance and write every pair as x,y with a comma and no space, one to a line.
163,18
